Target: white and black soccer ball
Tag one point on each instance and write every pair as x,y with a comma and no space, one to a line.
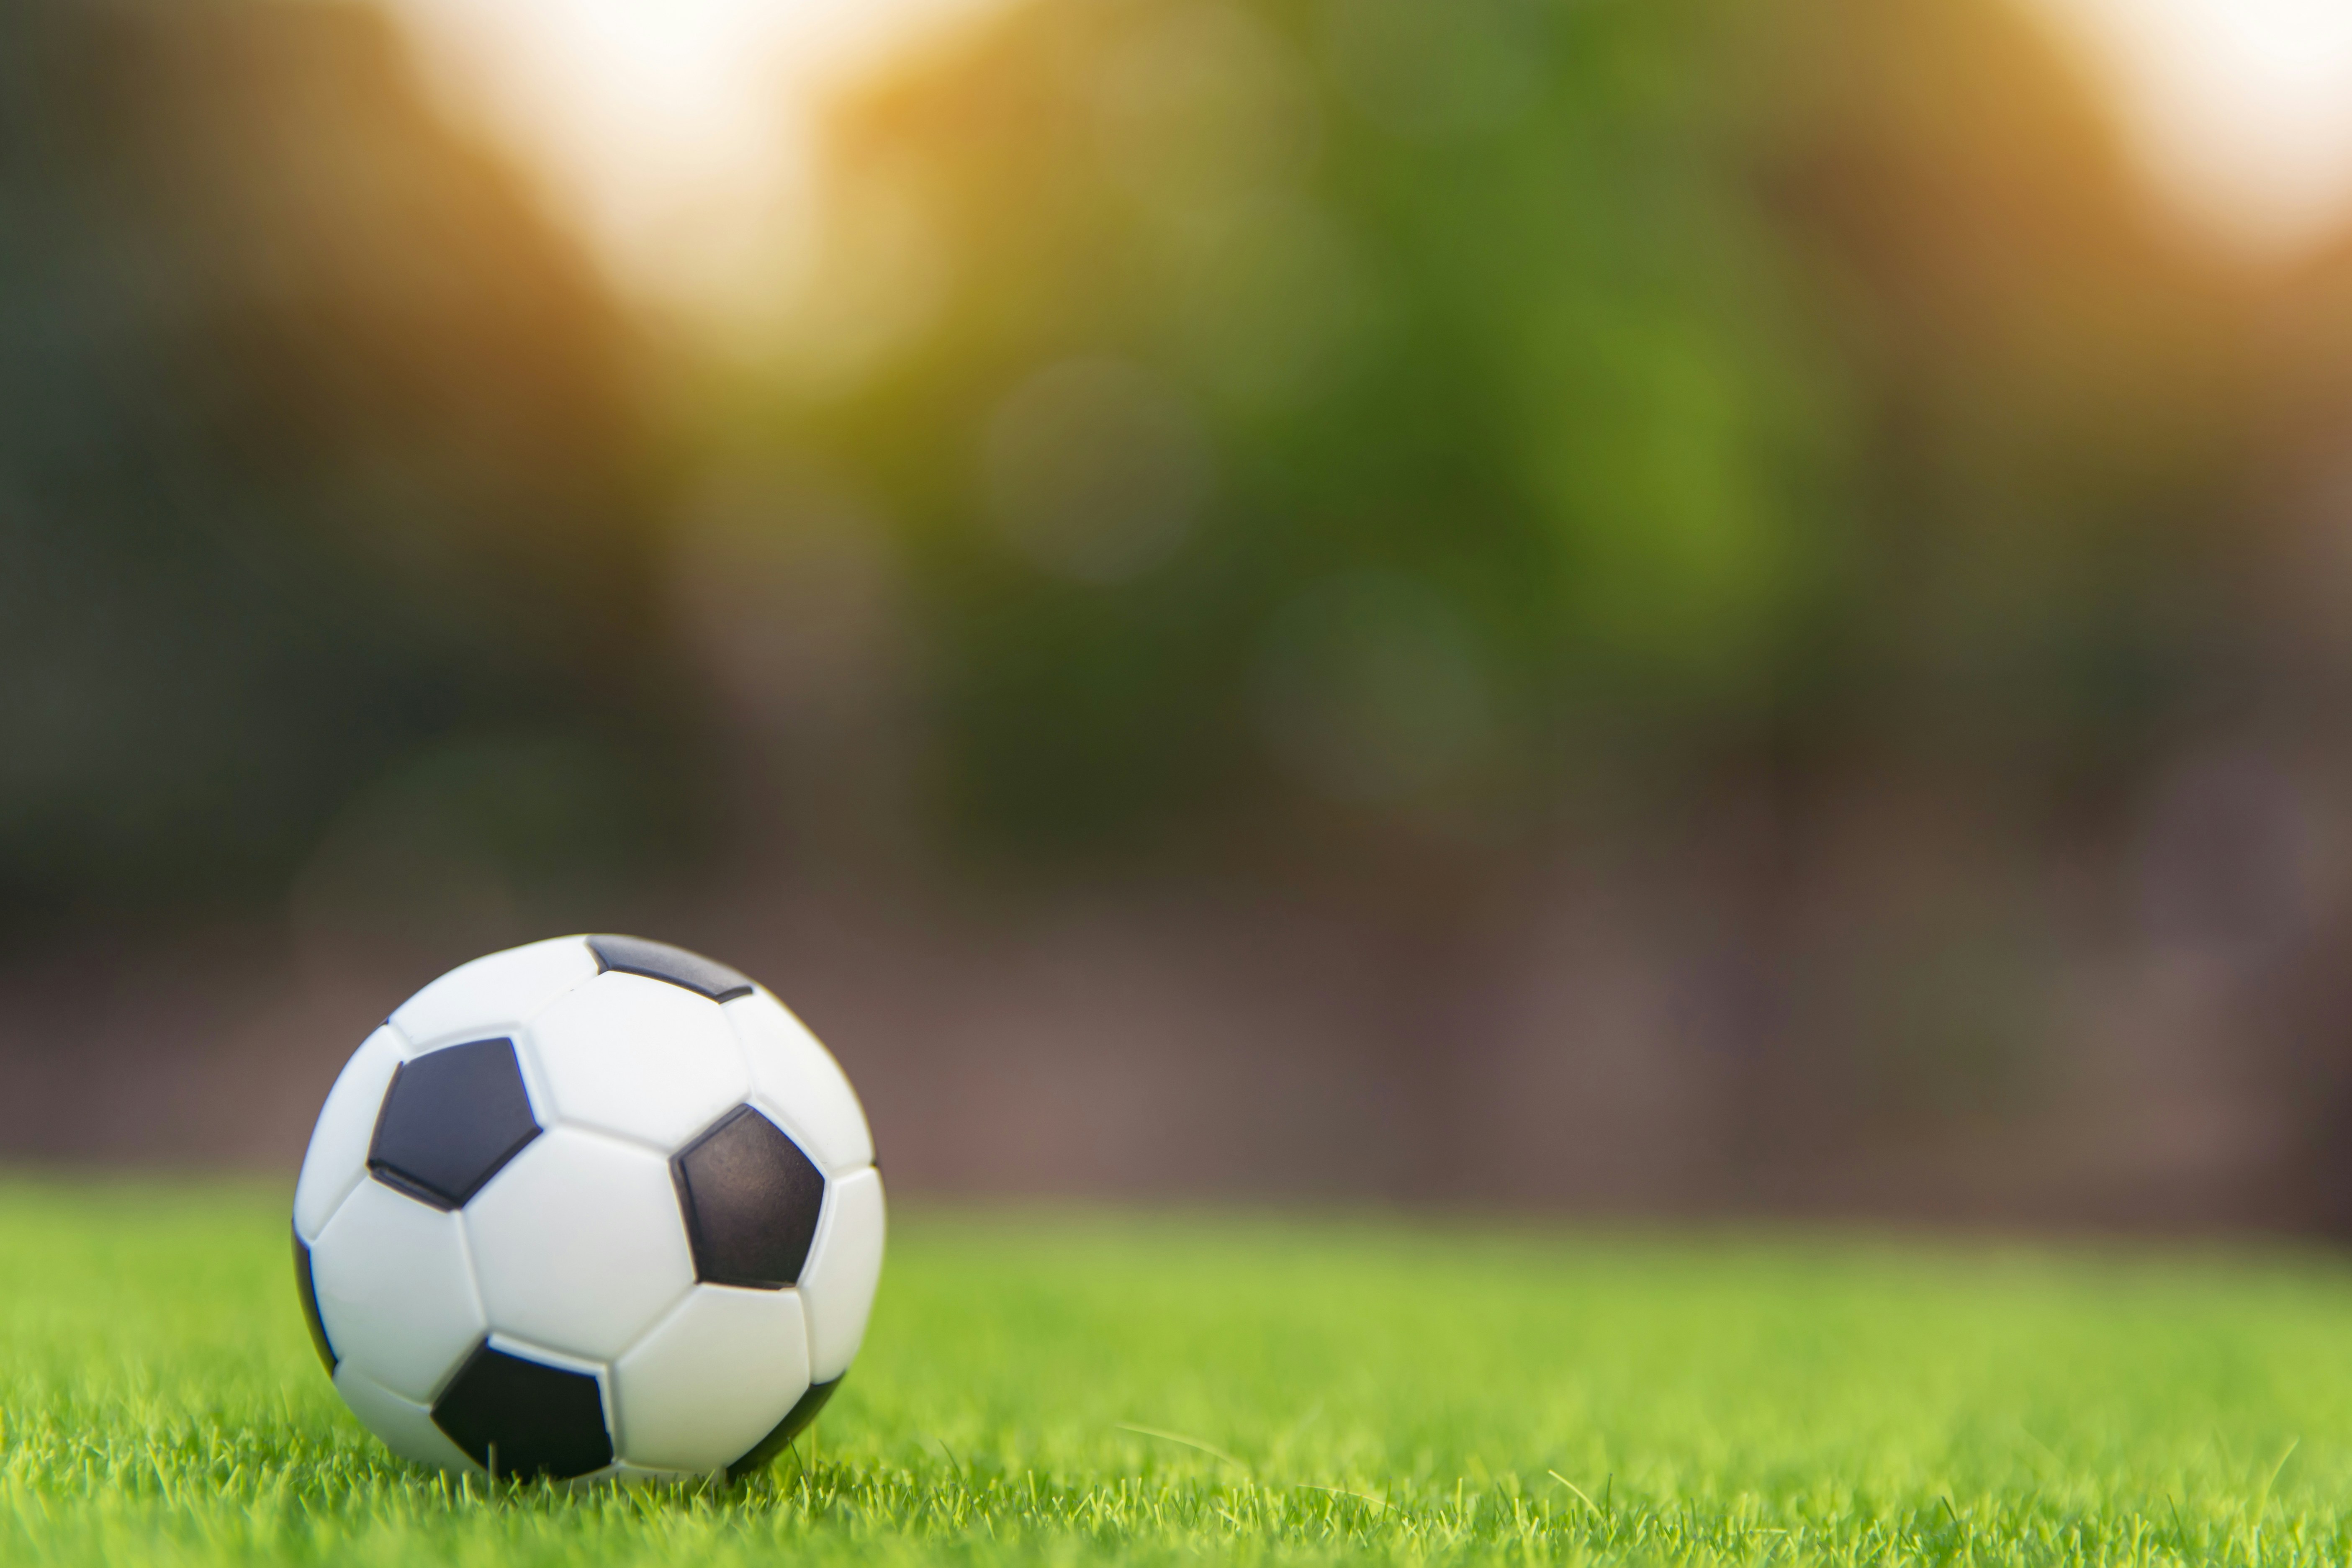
596,1207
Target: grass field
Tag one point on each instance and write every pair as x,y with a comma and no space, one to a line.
1069,1389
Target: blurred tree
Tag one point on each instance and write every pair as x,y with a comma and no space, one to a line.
1346,388
316,450
1406,405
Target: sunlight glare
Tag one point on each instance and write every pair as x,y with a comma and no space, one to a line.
2240,109
678,135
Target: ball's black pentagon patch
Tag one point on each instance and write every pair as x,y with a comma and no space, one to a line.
519,1418
795,1422
307,1289
451,1120
751,1200
659,960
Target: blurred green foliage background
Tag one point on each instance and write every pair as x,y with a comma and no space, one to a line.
1376,452
1414,407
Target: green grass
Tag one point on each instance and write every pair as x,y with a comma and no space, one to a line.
1325,1390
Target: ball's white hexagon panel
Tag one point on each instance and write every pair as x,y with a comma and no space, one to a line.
836,1287
795,1079
405,1426
337,1158
495,995
711,1379
395,1291
578,1244
639,1057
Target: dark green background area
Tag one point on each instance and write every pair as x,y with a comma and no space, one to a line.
316,449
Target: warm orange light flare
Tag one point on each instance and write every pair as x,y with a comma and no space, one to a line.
676,132
2242,109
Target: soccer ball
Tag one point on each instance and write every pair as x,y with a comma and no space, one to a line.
592,1208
